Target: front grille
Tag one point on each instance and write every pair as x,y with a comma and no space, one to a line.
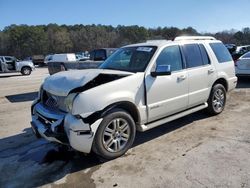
53,102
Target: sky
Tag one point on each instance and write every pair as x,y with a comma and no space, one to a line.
203,15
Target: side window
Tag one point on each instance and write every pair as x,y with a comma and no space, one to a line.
170,56
204,55
100,55
8,59
221,52
92,55
192,55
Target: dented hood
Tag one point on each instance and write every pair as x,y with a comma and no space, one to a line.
62,83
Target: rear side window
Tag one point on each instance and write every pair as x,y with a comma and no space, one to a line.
192,55
221,52
204,55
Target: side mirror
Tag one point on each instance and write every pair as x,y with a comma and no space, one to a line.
161,70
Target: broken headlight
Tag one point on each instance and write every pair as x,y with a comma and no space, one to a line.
69,101
40,92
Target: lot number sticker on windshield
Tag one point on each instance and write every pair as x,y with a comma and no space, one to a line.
144,49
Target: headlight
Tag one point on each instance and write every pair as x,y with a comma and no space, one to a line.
69,101
40,92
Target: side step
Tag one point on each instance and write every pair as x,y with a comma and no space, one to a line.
143,128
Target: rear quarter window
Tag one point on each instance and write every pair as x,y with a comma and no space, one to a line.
221,52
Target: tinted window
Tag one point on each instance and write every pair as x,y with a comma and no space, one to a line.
92,55
221,52
247,55
100,55
170,56
8,59
192,55
204,55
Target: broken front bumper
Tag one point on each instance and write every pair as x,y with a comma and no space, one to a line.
63,128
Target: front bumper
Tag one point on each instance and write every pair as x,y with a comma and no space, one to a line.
63,128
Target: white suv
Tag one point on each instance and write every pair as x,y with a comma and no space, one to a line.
139,87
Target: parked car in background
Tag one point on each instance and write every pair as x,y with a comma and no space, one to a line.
101,54
47,58
242,49
28,59
242,65
97,57
63,57
82,56
231,48
38,60
139,87
8,59
13,65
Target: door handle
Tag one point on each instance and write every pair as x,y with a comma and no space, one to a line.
210,71
182,77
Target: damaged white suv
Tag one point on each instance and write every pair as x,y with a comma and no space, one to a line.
139,87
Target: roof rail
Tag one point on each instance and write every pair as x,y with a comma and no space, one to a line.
157,40
194,38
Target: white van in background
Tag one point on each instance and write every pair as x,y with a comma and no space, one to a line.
60,58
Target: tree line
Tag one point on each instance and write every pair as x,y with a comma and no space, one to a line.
23,40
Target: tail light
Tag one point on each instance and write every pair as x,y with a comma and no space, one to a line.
235,62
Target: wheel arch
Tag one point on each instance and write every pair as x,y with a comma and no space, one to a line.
125,105
26,66
222,81
23,67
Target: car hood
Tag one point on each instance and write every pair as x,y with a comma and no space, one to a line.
62,83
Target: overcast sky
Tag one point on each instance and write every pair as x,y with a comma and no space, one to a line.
203,15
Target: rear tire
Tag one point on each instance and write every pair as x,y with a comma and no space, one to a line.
115,134
26,71
217,99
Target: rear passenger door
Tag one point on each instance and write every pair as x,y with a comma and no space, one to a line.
201,73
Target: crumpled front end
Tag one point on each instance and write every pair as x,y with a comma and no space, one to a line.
56,125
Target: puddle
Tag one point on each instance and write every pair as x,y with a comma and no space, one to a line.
49,155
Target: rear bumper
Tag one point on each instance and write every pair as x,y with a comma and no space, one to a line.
63,128
232,82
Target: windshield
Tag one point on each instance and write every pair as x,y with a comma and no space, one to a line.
131,59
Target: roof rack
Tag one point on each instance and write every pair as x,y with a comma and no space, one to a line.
194,38
157,40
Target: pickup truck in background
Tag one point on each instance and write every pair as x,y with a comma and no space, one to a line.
97,57
10,64
38,60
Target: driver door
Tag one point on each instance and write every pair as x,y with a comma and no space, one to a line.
167,94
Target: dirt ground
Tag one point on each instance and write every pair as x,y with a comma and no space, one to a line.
194,151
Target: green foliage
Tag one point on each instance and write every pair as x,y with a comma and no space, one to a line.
22,40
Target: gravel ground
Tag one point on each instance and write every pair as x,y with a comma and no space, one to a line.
194,151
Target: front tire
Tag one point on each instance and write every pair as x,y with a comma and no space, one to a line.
217,99
115,135
26,71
